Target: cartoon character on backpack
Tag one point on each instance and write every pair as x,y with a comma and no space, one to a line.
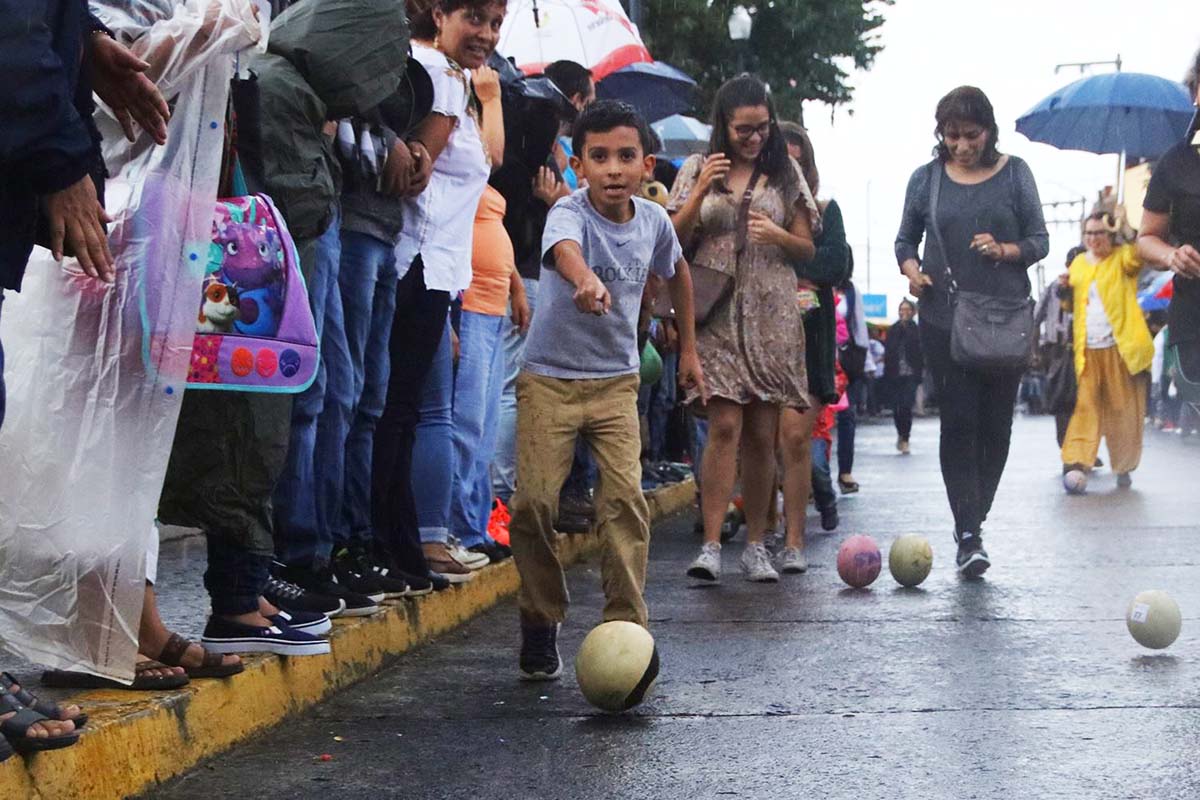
250,255
219,309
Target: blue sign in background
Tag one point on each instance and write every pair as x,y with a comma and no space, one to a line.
875,305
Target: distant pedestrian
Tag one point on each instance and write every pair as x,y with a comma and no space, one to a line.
983,233
1053,319
903,367
1113,353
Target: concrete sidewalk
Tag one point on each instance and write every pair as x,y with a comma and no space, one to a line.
135,740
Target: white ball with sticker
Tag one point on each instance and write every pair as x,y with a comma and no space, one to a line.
1154,619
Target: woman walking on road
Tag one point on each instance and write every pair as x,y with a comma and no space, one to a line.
984,232
903,365
746,212
815,282
1113,351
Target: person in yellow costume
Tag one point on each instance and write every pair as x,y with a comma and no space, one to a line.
1113,351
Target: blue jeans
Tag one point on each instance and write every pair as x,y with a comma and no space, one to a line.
847,422
504,462
822,482
368,287
661,403
699,442
309,492
433,451
477,387
234,578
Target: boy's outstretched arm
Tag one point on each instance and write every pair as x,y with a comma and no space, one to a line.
591,295
691,376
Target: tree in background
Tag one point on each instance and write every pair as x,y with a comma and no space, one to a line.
796,46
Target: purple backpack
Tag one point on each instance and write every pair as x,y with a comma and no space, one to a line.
255,330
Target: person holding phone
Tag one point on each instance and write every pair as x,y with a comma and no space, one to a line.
745,210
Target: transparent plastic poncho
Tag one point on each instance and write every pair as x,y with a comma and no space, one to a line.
96,372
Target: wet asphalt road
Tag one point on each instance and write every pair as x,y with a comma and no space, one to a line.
1024,685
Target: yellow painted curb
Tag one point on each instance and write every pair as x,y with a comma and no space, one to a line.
134,741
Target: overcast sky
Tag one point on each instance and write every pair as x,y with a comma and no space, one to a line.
1007,49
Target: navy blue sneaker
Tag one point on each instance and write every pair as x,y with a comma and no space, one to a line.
225,636
307,621
972,559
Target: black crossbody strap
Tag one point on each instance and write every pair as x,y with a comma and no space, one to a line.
935,232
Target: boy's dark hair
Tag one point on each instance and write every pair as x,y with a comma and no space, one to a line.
1074,252
605,115
420,13
967,104
740,92
570,78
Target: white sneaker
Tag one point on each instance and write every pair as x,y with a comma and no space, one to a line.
472,561
756,563
773,541
792,561
707,566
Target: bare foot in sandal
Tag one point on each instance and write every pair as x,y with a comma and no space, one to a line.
46,708
27,730
153,637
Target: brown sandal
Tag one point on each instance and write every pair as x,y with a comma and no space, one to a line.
66,679
211,664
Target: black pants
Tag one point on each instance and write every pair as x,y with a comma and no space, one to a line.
976,410
904,397
416,331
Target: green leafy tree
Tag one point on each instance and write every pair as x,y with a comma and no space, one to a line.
800,47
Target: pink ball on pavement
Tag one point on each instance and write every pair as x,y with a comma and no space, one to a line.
858,561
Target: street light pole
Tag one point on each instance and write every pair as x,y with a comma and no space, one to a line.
740,26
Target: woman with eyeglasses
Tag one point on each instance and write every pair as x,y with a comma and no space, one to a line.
745,211
985,232
1113,352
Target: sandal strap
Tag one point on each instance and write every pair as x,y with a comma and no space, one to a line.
174,650
8,681
211,659
20,723
149,664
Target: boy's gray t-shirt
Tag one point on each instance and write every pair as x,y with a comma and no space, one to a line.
566,343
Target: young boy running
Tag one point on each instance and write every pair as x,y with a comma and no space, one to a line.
581,375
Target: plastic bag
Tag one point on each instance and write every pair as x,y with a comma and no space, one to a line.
96,373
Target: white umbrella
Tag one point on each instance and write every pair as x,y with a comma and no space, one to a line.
594,33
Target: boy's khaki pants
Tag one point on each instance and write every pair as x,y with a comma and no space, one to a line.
1110,403
551,413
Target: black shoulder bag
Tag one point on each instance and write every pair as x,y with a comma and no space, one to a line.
987,332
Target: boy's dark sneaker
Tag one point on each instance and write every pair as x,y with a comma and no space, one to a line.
575,514
356,565
437,581
321,581
290,597
540,660
225,636
972,559
829,518
307,621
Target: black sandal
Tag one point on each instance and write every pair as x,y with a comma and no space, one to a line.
16,728
66,679
6,751
47,708
211,664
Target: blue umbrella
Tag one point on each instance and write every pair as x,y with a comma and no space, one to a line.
682,136
1139,115
655,89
